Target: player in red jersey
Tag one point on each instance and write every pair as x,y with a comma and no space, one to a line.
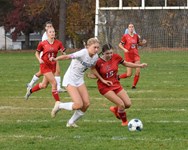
50,48
37,75
129,44
107,68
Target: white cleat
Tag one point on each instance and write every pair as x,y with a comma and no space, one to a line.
60,90
55,109
28,93
74,125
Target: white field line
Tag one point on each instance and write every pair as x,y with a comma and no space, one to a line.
102,109
116,138
98,121
34,108
96,98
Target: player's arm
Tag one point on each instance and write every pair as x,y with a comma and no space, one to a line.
143,42
121,46
133,65
95,72
37,55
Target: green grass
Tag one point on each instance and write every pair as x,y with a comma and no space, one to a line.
160,101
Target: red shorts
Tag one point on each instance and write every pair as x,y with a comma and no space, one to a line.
132,56
44,68
116,89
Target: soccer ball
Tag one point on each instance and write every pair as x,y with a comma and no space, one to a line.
135,125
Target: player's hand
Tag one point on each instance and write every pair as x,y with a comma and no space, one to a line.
143,65
144,41
52,59
41,61
125,50
109,83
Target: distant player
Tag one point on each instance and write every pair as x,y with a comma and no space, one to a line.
107,67
36,77
49,48
74,80
129,44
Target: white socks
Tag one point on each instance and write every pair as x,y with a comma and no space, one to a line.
66,106
77,115
58,80
33,80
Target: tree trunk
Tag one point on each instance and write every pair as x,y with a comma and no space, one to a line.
26,46
62,20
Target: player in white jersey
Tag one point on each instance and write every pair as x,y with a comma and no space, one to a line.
74,80
36,76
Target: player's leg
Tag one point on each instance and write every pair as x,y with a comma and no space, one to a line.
34,79
137,76
80,98
58,78
126,74
114,98
51,79
37,87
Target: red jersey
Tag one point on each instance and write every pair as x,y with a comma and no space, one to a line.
49,50
131,44
108,71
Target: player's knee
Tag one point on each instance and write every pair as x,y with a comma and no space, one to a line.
77,106
128,104
86,105
129,74
43,86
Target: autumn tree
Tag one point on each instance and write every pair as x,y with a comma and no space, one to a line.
26,17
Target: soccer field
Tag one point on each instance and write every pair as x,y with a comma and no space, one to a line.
160,101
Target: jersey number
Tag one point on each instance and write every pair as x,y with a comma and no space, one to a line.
109,74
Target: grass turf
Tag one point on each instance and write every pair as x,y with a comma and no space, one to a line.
160,101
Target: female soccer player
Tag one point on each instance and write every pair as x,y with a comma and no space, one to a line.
107,68
74,80
50,49
129,44
36,77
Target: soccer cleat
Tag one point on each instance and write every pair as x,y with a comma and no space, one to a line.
71,125
114,110
55,109
28,93
60,90
124,123
133,87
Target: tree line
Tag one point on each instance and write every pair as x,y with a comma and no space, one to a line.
74,20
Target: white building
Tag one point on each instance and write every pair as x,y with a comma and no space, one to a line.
7,43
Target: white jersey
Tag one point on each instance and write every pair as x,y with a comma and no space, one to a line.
44,36
80,63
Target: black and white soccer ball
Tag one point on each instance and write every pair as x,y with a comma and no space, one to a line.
135,125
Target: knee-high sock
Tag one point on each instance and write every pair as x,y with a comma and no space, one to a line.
33,80
136,78
66,106
122,115
35,88
123,76
77,115
58,80
56,95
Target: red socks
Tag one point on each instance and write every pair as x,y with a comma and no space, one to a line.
136,78
122,115
56,95
35,88
123,76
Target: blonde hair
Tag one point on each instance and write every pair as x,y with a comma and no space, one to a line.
92,41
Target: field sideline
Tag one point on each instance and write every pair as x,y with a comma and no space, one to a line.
160,101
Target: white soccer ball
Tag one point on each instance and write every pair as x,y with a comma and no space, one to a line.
135,125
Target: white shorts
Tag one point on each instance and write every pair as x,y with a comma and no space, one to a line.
68,81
